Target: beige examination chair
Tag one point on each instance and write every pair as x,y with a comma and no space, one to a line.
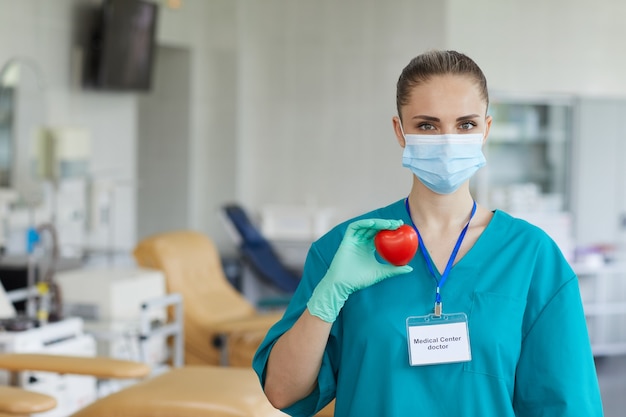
19,402
220,325
214,315
15,401
214,312
193,391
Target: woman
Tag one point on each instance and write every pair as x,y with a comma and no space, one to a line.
486,320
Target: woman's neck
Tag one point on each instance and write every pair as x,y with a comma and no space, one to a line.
434,211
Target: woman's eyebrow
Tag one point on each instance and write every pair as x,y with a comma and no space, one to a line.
429,118
436,119
470,116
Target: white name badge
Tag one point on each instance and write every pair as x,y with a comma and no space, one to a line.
438,339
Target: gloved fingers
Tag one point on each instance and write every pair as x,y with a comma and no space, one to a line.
365,229
391,270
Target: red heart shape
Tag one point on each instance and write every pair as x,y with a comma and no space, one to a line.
397,246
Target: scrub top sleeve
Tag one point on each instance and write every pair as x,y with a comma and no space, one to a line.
556,375
314,269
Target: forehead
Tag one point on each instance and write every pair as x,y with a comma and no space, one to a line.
443,95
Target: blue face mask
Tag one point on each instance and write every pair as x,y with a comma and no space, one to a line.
443,162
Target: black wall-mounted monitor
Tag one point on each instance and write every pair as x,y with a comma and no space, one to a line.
120,51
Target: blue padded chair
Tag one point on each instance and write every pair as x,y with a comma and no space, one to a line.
258,253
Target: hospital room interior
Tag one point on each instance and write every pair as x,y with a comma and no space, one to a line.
165,166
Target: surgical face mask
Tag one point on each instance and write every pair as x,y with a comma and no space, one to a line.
443,162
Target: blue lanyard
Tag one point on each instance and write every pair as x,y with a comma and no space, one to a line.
429,264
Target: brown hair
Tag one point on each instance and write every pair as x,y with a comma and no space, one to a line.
436,62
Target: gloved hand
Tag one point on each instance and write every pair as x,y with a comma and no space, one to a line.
353,268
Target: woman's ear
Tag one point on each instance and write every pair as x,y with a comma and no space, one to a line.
397,128
488,121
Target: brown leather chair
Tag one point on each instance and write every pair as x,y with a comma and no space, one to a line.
213,308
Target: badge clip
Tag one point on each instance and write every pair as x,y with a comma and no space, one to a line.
438,306
437,309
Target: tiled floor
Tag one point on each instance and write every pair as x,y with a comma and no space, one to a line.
612,377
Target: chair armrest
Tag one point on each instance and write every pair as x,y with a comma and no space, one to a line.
17,401
254,323
100,367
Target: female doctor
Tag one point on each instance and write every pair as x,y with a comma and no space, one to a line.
486,319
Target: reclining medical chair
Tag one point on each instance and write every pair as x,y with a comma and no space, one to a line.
178,391
213,309
19,402
190,391
187,391
258,253
181,391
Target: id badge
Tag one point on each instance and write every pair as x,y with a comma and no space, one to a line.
438,339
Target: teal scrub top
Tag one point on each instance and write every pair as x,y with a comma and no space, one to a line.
530,349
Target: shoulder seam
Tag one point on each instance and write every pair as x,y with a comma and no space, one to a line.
557,292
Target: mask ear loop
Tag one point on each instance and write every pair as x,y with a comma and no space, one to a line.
401,129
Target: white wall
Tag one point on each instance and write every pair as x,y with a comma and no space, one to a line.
316,97
163,149
209,29
570,46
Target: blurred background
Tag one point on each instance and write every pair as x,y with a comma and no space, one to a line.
289,103
116,124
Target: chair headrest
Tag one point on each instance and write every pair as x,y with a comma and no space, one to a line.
248,231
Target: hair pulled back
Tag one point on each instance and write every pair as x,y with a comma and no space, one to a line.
437,62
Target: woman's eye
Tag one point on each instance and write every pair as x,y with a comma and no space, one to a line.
467,125
425,126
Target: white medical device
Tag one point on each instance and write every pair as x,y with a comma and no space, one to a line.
110,301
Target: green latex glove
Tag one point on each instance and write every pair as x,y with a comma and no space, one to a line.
353,268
